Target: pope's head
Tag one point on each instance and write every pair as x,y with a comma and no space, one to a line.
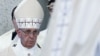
27,20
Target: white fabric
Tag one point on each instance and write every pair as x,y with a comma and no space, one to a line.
29,11
41,37
5,39
81,39
28,23
57,29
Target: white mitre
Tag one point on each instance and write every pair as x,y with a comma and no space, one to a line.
29,14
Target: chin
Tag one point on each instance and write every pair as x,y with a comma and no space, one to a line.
30,45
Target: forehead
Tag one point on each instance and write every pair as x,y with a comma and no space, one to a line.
31,29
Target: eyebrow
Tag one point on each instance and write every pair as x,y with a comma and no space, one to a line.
30,30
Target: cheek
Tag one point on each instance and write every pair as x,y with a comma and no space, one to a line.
27,39
35,37
24,38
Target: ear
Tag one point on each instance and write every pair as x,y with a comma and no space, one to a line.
18,33
15,24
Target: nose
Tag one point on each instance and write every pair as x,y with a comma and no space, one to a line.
31,36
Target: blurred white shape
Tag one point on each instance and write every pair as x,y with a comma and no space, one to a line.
85,28
73,30
57,29
5,39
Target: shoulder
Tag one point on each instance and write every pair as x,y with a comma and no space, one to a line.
4,52
5,39
7,52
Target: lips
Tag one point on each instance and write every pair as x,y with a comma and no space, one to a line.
30,41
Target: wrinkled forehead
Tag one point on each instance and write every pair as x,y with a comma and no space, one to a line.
29,29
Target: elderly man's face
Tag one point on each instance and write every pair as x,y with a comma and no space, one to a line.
28,37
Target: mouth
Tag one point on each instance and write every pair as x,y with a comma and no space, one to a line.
31,42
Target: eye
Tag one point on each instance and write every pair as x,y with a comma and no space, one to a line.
35,31
27,31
